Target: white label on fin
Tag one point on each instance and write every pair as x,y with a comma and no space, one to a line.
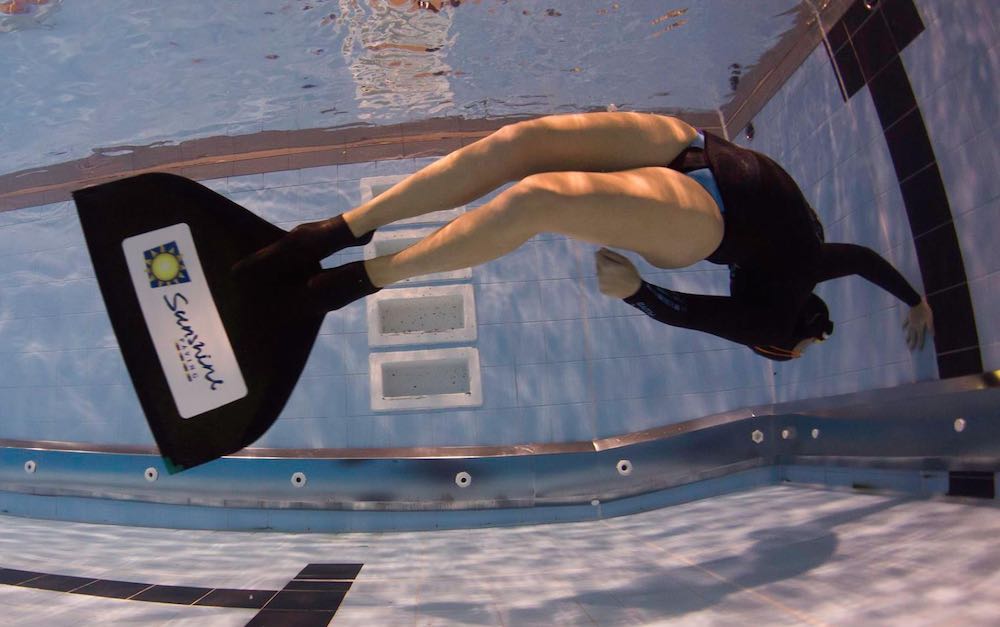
180,313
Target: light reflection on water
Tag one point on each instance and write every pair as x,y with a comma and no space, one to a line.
136,73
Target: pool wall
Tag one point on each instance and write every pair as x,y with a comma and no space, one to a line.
900,155
557,361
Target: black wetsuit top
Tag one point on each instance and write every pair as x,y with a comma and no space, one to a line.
773,245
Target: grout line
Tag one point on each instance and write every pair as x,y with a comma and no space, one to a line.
129,598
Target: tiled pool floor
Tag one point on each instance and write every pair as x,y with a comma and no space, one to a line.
772,556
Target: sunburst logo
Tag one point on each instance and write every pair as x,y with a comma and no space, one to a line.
165,266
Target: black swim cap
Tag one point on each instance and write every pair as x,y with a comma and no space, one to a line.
813,322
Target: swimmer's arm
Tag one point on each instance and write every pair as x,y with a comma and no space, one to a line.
847,259
722,316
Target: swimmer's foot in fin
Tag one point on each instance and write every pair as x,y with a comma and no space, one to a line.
332,289
295,254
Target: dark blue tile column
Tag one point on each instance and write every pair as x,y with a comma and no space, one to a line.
865,46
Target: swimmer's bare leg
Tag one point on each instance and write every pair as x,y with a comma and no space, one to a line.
660,214
586,142
589,142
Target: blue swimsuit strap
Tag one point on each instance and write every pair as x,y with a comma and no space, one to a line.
704,176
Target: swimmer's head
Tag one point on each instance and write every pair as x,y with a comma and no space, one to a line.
814,320
812,325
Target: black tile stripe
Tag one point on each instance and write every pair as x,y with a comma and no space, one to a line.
179,595
281,618
909,145
891,88
846,62
925,200
903,20
312,598
865,47
249,599
330,571
12,577
874,45
112,589
319,585
57,583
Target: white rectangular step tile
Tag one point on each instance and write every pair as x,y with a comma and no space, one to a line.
426,379
422,315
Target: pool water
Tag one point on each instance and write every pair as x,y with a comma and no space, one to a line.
79,80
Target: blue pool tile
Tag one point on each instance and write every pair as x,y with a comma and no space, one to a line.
276,205
358,393
81,296
321,174
281,178
616,417
454,428
966,170
353,318
217,185
406,429
71,332
613,337
567,382
520,265
594,303
614,379
329,357
652,335
530,385
563,299
975,232
323,432
86,367
33,299
360,432
503,344
396,166
318,397
356,171
354,351
499,387
985,293
16,334
20,369
509,426
25,269
556,259
132,428
322,200
510,302
572,422
566,340
238,184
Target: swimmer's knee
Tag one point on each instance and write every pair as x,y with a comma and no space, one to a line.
527,202
510,150
545,187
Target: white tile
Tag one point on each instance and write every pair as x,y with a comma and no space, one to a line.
976,230
991,356
968,172
985,294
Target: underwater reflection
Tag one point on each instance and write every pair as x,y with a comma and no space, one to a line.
395,51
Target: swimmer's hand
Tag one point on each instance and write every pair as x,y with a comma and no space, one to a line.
918,322
616,276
